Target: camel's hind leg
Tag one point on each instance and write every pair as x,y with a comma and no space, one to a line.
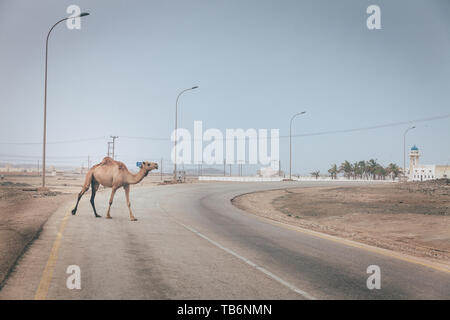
113,192
94,185
85,188
127,195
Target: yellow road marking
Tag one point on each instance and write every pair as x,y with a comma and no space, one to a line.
46,278
359,245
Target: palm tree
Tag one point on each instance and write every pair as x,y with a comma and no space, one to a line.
357,170
380,172
364,169
346,168
393,170
316,174
333,171
372,166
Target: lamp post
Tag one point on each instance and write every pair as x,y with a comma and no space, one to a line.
176,127
404,149
83,14
290,143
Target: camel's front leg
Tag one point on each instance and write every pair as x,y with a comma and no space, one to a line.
113,192
127,195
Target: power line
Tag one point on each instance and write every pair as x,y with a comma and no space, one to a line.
38,157
146,138
393,124
18,160
75,158
54,142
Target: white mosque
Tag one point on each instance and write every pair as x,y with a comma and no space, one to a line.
418,172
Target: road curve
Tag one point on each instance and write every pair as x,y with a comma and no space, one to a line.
191,243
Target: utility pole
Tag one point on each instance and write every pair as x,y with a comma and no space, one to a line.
38,169
290,143
240,167
162,168
113,145
109,154
279,168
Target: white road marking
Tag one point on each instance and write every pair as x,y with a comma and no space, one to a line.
247,261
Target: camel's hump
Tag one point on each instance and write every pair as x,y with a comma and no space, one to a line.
106,161
110,161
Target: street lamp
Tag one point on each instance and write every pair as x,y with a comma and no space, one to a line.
404,149
176,127
290,143
83,14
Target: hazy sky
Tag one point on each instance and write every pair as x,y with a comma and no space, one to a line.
256,62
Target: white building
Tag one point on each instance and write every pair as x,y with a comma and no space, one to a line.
424,172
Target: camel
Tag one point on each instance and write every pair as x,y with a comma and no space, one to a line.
113,174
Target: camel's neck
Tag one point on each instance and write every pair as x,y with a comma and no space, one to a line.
136,178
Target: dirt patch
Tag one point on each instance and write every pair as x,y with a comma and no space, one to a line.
412,218
22,215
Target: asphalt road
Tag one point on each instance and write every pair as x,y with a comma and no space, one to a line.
191,243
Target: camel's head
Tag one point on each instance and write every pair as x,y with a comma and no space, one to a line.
149,166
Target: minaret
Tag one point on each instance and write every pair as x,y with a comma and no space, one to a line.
413,159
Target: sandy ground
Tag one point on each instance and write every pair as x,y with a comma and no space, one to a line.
22,215
412,218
